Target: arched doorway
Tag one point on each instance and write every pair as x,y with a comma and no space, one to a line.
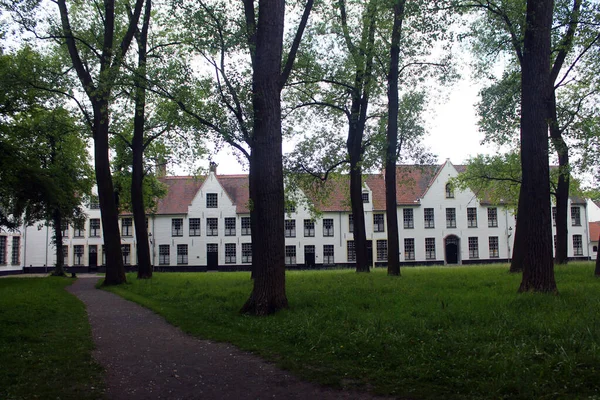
452,247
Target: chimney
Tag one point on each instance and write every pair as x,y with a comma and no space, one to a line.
212,167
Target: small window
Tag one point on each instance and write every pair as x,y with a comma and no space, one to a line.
449,191
94,203
127,227
473,247
126,252
309,228
211,200
230,256
429,218
290,228
65,230
554,215
351,250
472,217
575,216
182,254
450,218
595,249
246,252
290,207
430,248
378,224
246,226
492,217
230,226
407,216
328,257
164,254
194,226
79,228
493,243
382,253
212,226
290,255
365,197
95,227
177,227
328,227
66,255
409,249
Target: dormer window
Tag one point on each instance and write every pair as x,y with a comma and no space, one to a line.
449,191
211,200
365,197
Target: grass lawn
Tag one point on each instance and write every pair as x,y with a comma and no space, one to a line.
45,342
460,332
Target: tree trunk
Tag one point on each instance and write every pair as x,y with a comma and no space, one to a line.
562,189
59,269
519,243
115,271
597,270
358,213
266,165
137,146
534,206
393,256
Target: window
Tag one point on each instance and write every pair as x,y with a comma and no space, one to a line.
177,227
230,255
95,227
78,255
409,249
378,224
290,228
194,224
595,249
430,248
554,216
577,245
290,207
328,254
65,230
428,218
408,218
212,226
246,226
351,250
164,254
103,255
290,255
575,216
79,229
212,248
365,197
473,247
494,253
554,242
246,252
182,254
126,250
382,250
3,250
309,228
472,217
492,217
449,191
450,218
351,223
230,226
126,227
94,203
16,251
328,227
66,255
211,200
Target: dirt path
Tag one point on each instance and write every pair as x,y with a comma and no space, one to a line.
146,358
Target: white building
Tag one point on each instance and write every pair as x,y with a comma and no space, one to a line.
204,223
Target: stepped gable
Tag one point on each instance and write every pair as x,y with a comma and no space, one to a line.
594,231
236,187
181,191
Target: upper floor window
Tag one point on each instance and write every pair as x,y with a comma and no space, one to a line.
212,226
365,197
450,218
194,226
309,228
351,223
211,200
408,218
127,227
429,218
492,217
80,229
290,207
328,227
554,215
246,226
94,227
378,224
575,216
290,228
177,227
94,203
65,230
449,191
230,226
472,217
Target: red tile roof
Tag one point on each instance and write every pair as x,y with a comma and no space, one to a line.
594,231
236,187
181,190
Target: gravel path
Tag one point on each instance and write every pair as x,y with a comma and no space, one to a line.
146,358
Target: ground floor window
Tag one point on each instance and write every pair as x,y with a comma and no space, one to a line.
164,254
430,248
494,253
351,249
126,250
16,251
2,250
78,255
290,255
182,254
409,249
230,255
382,250
246,252
65,255
328,257
577,245
473,247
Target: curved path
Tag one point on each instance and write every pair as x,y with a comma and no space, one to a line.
146,358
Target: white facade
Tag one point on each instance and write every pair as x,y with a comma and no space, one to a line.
211,231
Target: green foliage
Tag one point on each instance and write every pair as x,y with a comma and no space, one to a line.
453,333
45,342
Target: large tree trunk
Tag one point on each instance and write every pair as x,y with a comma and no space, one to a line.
137,147
562,189
519,243
391,206
266,166
59,269
534,207
358,213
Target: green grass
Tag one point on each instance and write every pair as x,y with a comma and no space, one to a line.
460,332
45,342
